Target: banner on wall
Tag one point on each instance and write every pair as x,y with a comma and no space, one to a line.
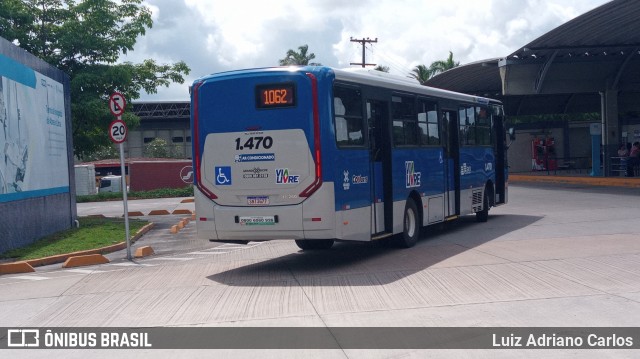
33,135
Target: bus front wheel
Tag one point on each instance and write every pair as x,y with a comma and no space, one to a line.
314,244
411,226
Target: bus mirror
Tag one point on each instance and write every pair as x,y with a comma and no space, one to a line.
512,133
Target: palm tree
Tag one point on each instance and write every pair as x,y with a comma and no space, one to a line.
421,73
382,68
443,65
299,58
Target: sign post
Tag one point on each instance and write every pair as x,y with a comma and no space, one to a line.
118,134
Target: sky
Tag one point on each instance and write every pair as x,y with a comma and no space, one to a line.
220,35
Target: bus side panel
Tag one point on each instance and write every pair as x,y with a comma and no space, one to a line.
206,226
477,167
319,214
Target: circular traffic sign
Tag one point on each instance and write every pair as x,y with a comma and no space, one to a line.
117,103
118,131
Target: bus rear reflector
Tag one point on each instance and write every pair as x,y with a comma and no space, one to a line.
316,140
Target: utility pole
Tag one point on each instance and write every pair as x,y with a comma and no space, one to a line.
363,41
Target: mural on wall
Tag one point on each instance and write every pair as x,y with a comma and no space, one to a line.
33,145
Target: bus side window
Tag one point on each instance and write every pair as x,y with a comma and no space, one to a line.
347,106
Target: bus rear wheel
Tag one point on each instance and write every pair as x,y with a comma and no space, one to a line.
315,244
411,226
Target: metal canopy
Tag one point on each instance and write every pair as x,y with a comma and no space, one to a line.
564,70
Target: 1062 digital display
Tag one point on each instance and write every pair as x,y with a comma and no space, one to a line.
275,95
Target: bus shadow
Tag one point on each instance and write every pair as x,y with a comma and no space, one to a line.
372,263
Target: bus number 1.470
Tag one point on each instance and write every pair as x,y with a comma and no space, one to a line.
254,143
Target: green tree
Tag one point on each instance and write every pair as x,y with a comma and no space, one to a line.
157,148
443,65
382,68
85,39
299,58
421,73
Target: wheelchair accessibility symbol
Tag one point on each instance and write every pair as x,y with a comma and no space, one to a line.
223,176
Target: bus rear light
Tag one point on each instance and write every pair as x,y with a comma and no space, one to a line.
316,139
196,142
315,219
203,219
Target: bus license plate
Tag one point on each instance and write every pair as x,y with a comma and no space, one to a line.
257,201
257,221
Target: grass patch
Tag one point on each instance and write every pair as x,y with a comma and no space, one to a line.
156,193
94,232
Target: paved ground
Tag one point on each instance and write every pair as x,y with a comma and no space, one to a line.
556,255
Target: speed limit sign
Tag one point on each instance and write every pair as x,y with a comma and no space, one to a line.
118,131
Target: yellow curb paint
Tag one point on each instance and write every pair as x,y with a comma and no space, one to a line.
159,212
631,182
17,267
193,216
187,200
144,252
136,214
174,229
180,225
90,259
181,211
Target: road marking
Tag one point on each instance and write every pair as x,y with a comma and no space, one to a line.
29,277
85,271
170,259
127,264
207,253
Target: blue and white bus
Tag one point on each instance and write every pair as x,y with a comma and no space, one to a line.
317,154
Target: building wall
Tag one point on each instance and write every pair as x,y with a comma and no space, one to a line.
41,203
145,176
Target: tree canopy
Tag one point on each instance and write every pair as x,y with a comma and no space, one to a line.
299,58
422,73
85,39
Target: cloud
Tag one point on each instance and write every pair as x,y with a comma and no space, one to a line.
216,35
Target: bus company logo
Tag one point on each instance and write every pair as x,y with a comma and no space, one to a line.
345,183
258,157
359,179
255,172
488,167
413,178
465,169
283,176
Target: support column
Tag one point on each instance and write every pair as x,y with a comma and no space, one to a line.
611,134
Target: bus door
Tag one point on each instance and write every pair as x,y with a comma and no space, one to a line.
451,163
380,162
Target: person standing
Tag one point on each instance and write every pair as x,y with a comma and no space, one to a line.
634,159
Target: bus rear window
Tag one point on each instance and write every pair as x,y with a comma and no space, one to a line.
275,95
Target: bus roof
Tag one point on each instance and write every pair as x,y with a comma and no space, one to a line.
364,77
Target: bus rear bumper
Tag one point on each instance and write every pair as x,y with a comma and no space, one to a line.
312,219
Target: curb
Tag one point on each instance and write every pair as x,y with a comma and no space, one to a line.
159,212
144,252
86,260
627,182
16,267
63,257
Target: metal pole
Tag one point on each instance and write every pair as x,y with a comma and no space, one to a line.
124,201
